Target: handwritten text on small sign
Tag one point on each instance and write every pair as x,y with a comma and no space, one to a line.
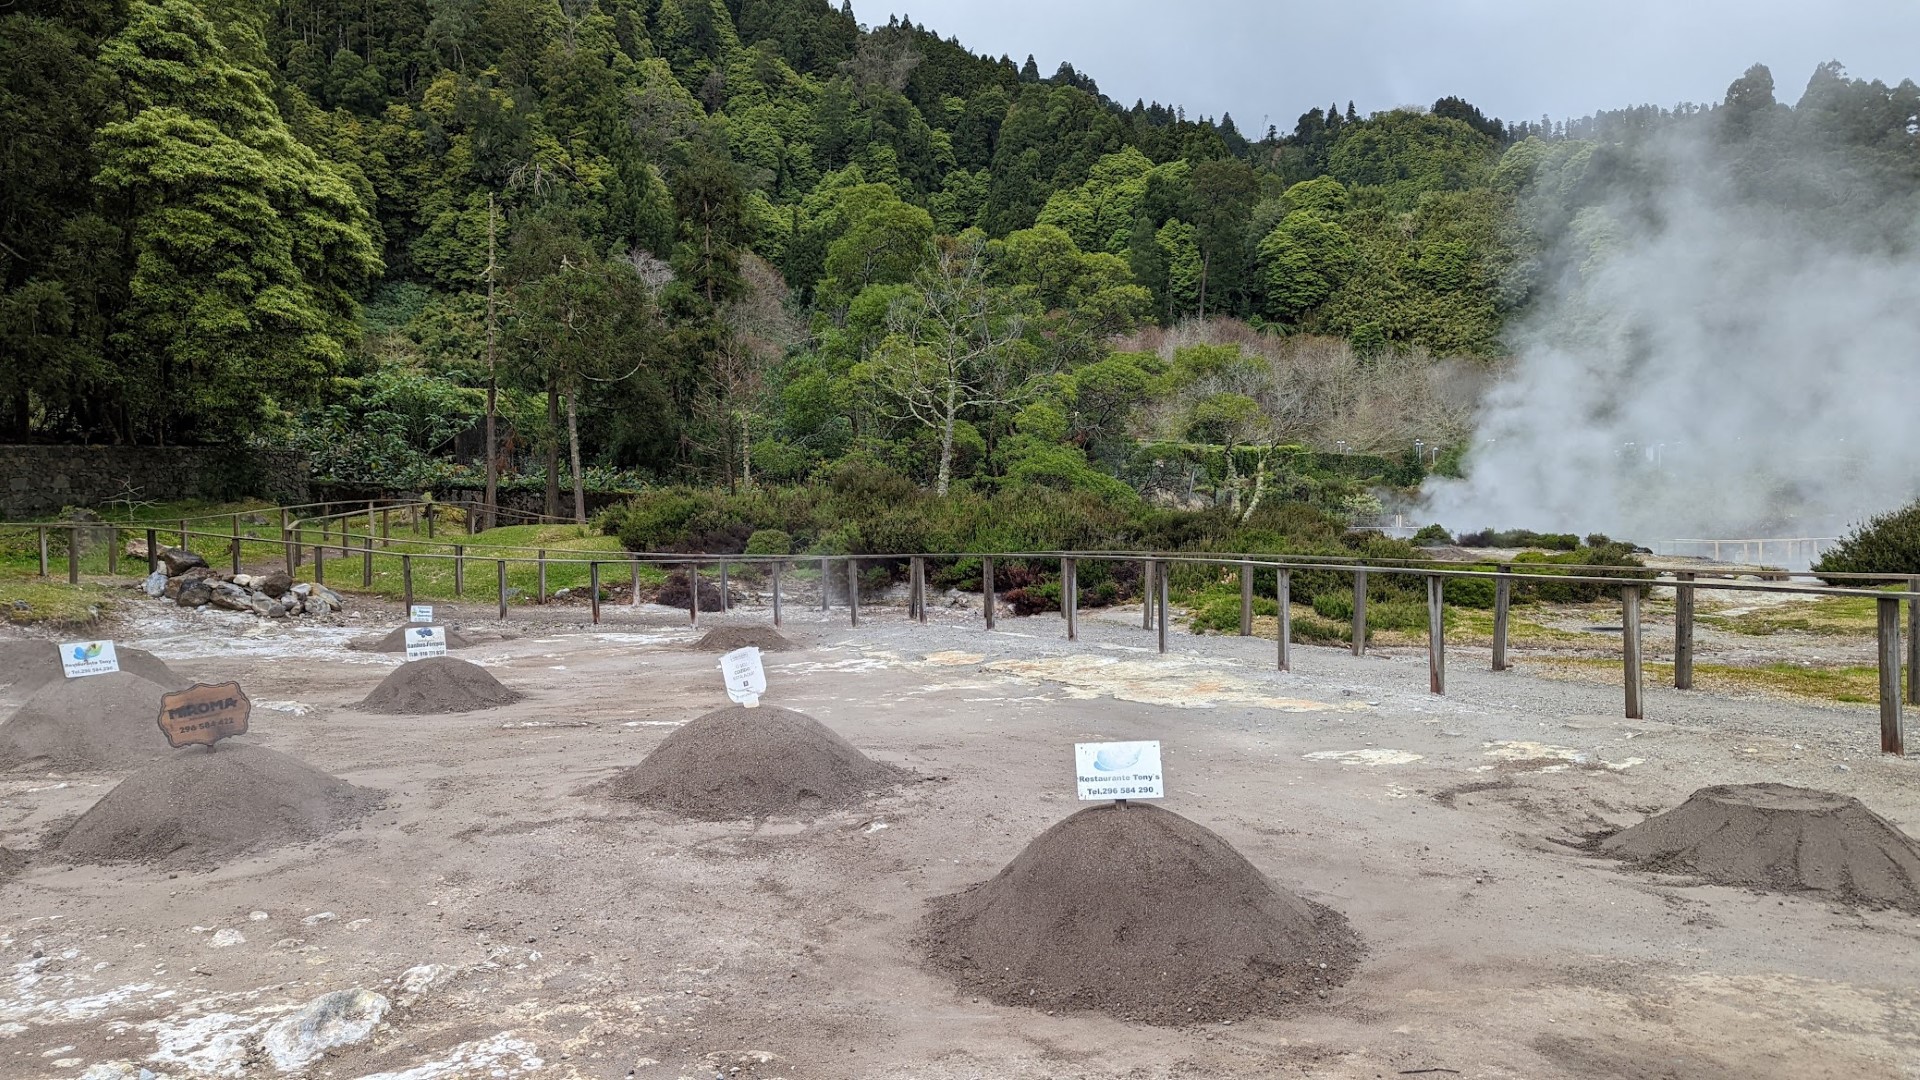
203,714
78,658
1118,770
426,641
420,613
746,678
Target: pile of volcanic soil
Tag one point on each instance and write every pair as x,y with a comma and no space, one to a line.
673,593
725,639
29,665
195,807
1138,913
97,722
1781,839
395,640
440,684
754,763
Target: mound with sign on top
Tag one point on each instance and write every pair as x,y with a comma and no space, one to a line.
440,684
742,762
395,640
1141,914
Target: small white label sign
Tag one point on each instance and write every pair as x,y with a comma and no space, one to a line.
78,658
421,613
746,678
1118,770
426,641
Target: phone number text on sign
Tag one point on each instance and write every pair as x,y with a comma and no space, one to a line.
1129,770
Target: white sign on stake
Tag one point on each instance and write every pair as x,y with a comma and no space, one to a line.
746,678
1118,770
426,641
421,613
78,658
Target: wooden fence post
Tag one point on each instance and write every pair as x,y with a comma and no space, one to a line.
1683,633
1070,596
826,579
235,544
43,551
1893,734
1359,613
153,550
1162,571
500,582
459,570
726,600
320,565
430,507
1630,642
776,593
1284,594
1913,642
1246,599
633,581
593,586
853,591
541,598
986,589
366,563
406,584
1502,609
1436,634
1148,593
693,592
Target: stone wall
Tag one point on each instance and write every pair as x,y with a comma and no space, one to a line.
37,481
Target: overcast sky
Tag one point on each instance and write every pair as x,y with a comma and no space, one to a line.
1267,61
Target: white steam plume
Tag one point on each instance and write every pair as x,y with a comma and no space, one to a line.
1709,365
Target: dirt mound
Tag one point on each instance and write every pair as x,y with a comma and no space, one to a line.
1782,839
395,641
725,639
753,763
195,807
29,665
98,722
441,684
1138,913
673,592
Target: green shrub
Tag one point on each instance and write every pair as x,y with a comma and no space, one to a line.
769,542
1432,536
1887,544
1539,583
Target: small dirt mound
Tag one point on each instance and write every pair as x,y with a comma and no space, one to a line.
97,722
1781,839
725,639
395,641
673,593
753,763
441,684
1138,913
196,807
29,665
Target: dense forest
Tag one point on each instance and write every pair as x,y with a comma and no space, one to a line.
738,242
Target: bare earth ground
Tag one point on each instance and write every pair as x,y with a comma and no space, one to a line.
579,938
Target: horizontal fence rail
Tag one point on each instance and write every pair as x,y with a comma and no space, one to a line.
330,535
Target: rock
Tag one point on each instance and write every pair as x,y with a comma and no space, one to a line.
303,590
135,549
274,584
316,605
276,611
258,916
194,594
120,1070
417,980
562,594
227,595
179,560
261,605
342,1018
333,599
318,918
245,581
228,938
156,584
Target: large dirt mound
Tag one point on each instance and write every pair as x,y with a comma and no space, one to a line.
1779,838
725,639
28,665
195,807
441,684
97,722
754,763
395,641
1141,914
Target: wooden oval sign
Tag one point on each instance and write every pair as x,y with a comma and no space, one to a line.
203,715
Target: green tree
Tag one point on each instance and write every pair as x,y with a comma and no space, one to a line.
1302,261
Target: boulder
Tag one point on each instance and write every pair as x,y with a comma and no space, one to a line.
227,595
194,594
156,584
274,584
303,590
334,600
245,581
135,549
330,1021
314,605
179,560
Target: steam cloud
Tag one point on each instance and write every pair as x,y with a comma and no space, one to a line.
1710,362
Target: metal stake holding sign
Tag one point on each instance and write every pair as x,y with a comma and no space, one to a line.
746,677
79,659
425,642
202,714
1118,771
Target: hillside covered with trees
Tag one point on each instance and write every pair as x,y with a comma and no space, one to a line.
740,242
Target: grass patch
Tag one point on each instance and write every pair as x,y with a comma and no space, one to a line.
1847,685
25,601
1830,616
